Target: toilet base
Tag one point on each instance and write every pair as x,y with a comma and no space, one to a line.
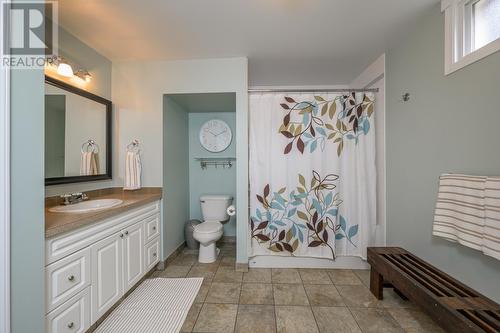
208,253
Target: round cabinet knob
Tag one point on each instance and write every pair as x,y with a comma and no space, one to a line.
121,235
154,254
154,228
71,325
71,278
126,232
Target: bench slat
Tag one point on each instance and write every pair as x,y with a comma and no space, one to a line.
452,287
435,283
473,316
492,321
417,278
445,276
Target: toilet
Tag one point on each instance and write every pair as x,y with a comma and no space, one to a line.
213,209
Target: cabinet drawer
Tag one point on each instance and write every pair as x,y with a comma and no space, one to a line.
152,253
71,317
152,228
66,277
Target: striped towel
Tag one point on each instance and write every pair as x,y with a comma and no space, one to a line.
468,212
491,241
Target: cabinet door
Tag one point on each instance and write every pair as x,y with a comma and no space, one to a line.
107,274
133,255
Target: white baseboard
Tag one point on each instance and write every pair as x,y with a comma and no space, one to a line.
300,262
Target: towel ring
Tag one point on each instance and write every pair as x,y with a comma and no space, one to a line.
134,146
90,144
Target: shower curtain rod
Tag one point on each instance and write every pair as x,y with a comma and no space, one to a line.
311,90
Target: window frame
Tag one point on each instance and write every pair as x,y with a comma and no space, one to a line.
459,42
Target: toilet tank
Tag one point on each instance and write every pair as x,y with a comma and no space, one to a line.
213,207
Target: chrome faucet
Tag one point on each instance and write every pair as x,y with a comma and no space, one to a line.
73,198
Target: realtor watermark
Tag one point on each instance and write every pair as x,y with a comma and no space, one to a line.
29,33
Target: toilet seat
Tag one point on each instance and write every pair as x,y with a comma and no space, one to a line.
208,227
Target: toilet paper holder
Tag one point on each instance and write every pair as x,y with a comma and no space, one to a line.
231,210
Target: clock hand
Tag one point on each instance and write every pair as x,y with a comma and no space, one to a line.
224,131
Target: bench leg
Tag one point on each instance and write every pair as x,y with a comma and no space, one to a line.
376,284
400,294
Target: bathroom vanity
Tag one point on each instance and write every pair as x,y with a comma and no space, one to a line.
94,258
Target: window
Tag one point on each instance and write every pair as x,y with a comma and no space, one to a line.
472,31
485,15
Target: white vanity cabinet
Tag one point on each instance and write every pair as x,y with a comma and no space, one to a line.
90,269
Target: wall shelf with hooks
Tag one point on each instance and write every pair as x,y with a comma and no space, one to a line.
224,162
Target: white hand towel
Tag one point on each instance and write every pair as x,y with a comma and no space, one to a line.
85,163
94,163
89,164
133,169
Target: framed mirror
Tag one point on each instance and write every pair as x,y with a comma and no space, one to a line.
77,134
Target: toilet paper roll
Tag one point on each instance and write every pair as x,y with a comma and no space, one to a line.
231,210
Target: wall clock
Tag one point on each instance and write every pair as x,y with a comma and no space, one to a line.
215,135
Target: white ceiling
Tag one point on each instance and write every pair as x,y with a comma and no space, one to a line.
288,42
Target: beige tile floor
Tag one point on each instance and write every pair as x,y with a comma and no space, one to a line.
290,300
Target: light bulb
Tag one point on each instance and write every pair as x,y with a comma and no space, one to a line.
64,69
83,75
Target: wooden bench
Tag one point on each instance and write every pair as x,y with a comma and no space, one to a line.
454,306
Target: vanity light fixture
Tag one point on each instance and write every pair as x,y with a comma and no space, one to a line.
62,67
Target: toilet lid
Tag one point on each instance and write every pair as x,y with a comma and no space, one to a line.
208,227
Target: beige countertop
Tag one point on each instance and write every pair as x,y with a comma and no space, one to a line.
59,223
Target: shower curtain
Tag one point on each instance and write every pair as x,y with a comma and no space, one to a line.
312,174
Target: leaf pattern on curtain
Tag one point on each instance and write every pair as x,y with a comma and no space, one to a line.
307,215
313,123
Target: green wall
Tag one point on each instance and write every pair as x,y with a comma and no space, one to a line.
450,124
27,238
175,174
210,180
27,202
82,56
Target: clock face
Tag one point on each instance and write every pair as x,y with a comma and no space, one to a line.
215,135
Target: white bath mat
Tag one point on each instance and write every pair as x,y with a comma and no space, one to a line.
156,306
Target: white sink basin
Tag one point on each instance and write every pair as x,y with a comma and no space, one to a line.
86,206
